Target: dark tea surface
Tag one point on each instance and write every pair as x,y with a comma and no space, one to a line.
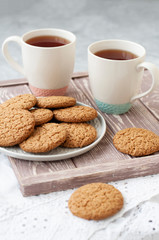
47,41
115,54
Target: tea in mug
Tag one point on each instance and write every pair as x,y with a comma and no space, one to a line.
47,41
115,54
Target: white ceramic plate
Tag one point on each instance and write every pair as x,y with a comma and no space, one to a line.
59,153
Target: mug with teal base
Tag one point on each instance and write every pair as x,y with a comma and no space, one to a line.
115,83
113,108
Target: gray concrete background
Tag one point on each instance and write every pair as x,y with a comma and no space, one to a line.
89,20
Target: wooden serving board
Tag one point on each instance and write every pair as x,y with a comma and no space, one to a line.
102,163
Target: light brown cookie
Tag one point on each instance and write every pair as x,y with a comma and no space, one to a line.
136,141
95,201
41,115
75,114
24,101
44,138
55,102
15,126
79,134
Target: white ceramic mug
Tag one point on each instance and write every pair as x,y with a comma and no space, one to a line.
115,84
48,69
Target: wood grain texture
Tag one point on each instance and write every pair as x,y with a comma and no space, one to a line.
13,82
106,172
102,163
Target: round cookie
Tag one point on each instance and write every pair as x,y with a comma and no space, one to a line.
15,126
95,201
79,134
24,101
136,141
42,115
44,138
55,102
75,114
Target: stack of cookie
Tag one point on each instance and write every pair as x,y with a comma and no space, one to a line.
25,120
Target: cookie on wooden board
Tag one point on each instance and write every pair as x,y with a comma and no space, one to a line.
15,126
24,101
79,134
95,201
42,115
136,141
75,114
55,102
44,138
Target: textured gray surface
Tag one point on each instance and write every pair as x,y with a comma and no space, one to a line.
89,20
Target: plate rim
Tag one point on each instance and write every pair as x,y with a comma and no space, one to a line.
64,156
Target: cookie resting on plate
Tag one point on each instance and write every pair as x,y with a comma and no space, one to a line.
75,114
24,101
55,102
15,126
44,138
41,115
79,134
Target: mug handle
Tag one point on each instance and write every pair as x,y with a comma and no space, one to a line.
7,55
155,78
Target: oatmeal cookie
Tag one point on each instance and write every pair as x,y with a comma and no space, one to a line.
44,138
75,114
42,115
24,101
136,141
55,102
79,134
15,126
95,201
